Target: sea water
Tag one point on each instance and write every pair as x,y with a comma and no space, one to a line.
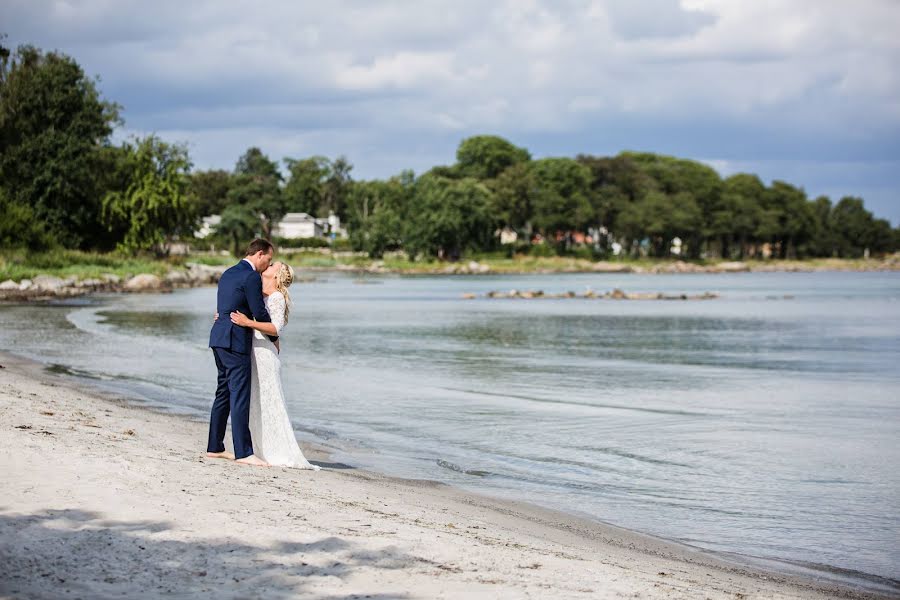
765,422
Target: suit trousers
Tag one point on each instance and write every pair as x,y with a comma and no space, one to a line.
232,396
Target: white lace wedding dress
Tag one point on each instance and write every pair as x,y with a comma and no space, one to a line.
270,427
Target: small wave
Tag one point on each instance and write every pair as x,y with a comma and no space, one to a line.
664,411
632,456
60,369
454,467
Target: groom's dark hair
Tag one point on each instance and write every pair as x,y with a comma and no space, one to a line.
259,245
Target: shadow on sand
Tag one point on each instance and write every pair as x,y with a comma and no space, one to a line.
80,554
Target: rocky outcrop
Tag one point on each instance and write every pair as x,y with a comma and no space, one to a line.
590,294
46,283
44,287
48,287
469,268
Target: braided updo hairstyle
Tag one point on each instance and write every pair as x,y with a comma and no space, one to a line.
284,277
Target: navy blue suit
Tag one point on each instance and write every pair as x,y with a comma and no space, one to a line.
240,288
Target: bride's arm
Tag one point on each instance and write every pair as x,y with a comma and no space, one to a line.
238,318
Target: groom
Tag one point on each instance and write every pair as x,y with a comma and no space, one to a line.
240,289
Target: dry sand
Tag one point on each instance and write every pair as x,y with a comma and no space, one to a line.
105,499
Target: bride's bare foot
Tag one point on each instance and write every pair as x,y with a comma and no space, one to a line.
253,461
225,455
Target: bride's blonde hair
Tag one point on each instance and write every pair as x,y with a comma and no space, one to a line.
284,277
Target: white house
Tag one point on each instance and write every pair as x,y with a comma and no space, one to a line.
507,236
302,225
299,225
208,226
292,226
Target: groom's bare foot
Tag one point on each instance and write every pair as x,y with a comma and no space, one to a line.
253,461
225,455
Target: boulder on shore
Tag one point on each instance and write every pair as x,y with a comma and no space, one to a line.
732,267
145,282
178,278
9,285
48,283
201,274
604,266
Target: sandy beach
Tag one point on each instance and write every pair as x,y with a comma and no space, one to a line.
105,499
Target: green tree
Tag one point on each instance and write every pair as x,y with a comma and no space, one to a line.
788,220
486,156
616,182
239,224
154,208
305,187
448,217
336,188
680,177
209,189
881,237
737,217
54,127
857,230
257,186
514,192
822,241
561,197
254,163
377,213
19,227
661,218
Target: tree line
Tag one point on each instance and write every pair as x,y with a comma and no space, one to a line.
64,183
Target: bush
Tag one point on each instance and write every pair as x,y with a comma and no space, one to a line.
310,242
585,252
544,250
341,244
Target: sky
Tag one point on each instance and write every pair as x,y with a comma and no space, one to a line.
807,91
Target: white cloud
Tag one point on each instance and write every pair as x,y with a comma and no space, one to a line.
808,80
401,70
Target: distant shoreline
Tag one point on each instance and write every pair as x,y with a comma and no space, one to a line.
111,274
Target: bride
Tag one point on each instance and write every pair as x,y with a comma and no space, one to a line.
270,427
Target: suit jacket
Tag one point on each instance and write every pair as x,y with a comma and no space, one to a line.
240,288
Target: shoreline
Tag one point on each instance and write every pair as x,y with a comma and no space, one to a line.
49,288
443,539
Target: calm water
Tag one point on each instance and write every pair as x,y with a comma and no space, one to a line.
757,424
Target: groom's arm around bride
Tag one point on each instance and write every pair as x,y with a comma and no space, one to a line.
240,289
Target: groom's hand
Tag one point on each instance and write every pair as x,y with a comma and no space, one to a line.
216,317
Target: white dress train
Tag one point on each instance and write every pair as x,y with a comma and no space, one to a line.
270,426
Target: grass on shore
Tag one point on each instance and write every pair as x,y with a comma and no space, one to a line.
18,265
